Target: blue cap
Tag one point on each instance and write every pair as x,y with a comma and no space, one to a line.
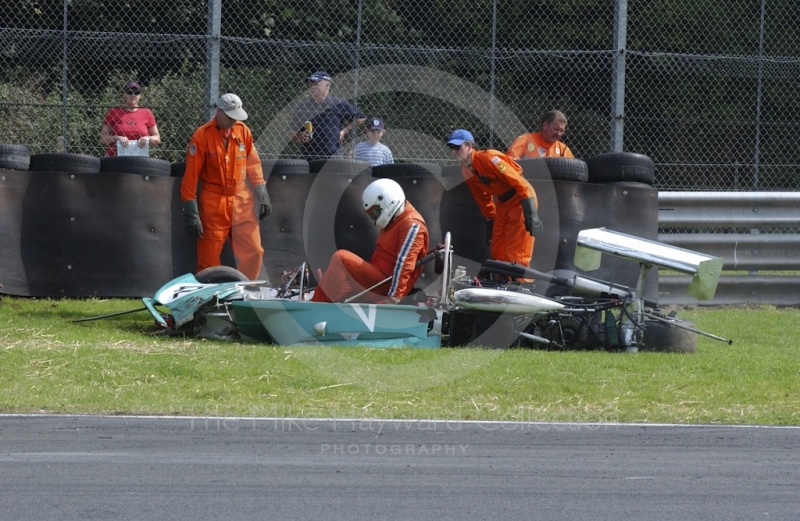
319,76
457,137
375,123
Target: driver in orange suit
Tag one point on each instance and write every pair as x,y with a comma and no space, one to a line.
505,198
222,155
402,241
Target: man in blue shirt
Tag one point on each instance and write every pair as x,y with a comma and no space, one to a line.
321,122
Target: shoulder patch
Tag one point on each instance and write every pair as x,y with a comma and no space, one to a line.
496,160
531,147
192,149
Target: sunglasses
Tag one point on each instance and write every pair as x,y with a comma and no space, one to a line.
132,92
453,147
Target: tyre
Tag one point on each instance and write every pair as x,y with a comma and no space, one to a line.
135,165
284,166
630,184
177,169
339,166
65,162
621,166
666,338
554,168
14,157
218,274
395,170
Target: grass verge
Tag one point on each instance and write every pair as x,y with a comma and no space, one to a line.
116,365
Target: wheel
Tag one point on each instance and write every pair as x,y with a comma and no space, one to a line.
14,157
621,166
65,162
554,168
284,166
395,170
339,166
665,338
177,169
218,274
135,165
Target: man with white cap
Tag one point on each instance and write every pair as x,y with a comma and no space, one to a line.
322,121
223,156
504,197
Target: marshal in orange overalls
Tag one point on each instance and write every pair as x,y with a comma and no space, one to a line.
497,185
226,205
533,144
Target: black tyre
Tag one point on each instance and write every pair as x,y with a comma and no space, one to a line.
177,169
630,184
395,170
135,165
65,162
666,338
218,274
284,166
339,166
554,168
621,166
14,157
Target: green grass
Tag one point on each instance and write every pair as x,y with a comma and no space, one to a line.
116,365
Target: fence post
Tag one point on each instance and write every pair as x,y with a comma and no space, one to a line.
618,75
212,56
64,91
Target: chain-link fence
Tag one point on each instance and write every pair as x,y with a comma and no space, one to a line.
708,90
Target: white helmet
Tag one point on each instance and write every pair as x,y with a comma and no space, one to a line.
383,199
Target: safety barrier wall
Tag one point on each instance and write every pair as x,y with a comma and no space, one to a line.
121,235
754,232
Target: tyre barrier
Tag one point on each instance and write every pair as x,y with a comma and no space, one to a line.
14,157
81,234
621,166
136,165
65,162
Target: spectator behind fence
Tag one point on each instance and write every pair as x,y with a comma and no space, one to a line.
321,122
505,198
372,150
546,142
129,125
222,156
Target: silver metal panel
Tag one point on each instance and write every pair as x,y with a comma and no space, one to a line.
704,268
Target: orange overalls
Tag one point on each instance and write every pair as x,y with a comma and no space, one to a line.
226,206
534,145
497,185
399,246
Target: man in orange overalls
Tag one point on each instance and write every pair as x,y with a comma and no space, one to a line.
505,198
545,143
221,154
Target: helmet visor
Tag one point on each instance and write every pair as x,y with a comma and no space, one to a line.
374,212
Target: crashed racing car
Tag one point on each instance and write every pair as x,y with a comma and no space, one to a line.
497,308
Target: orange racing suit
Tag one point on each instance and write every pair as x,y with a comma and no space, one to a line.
399,246
497,185
534,145
226,206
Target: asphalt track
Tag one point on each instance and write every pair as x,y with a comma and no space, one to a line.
160,468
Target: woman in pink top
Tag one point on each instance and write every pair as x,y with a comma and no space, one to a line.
129,125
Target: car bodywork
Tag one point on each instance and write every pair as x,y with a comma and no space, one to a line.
496,309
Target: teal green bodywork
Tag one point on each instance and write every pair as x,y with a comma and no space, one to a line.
287,322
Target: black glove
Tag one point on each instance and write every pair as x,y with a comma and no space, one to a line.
489,228
263,206
192,217
532,222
